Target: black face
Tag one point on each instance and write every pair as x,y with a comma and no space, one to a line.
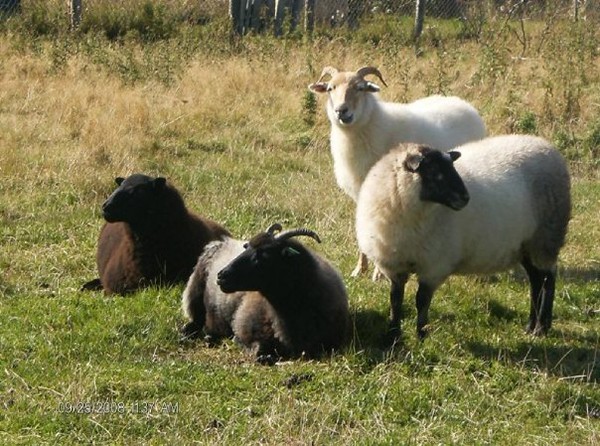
259,268
440,181
135,200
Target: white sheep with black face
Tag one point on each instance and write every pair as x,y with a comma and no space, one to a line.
483,207
277,297
364,128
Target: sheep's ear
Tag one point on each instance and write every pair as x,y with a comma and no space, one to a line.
288,251
412,162
119,180
454,155
159,183
369,87
318,87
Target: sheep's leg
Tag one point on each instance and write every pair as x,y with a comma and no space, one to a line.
545,317
396,299
536,283
361,266
193,306
423,301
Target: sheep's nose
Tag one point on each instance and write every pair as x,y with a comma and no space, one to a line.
341,110
221,276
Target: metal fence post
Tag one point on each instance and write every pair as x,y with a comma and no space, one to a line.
419,18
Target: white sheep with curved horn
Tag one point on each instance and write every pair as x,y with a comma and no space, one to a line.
364,128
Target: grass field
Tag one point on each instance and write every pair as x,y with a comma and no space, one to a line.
230,123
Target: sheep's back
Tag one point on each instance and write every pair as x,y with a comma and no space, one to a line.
443,122
519,189
528,183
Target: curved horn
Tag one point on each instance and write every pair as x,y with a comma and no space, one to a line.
296,232
331,71
275,227
365,71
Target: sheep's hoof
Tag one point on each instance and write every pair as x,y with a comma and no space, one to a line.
357,272
392,336
92,285
211,341
422,333
377,275
191,330
266,359
537,330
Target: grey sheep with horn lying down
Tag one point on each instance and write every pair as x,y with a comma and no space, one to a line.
277,298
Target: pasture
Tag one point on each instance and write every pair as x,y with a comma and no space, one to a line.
230,122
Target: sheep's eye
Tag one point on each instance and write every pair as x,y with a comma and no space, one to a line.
330,87
245,246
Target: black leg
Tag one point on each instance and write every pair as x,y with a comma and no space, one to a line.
423,301
396,299
536,282
545,319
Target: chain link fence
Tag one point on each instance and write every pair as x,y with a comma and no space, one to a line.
264,15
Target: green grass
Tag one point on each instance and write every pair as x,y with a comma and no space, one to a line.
230,124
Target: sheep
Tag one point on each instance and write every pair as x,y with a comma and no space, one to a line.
506,201
149,236
276,297
364,128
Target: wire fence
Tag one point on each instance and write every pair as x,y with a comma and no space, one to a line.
272,15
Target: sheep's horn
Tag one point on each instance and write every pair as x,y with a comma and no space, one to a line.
331,71
296,232
275,227
365,71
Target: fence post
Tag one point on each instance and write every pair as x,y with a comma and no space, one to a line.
235,11
75,12
255,10
419,18
296,9
280,7
309,16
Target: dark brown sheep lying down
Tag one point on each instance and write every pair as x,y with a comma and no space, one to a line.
149,236
275,296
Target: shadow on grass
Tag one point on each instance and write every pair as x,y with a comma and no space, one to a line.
580,274
577,358
565,354
368,335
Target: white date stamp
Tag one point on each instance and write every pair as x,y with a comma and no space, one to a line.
118,407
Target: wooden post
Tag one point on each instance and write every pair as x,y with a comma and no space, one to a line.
75,11
419,18
309,16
